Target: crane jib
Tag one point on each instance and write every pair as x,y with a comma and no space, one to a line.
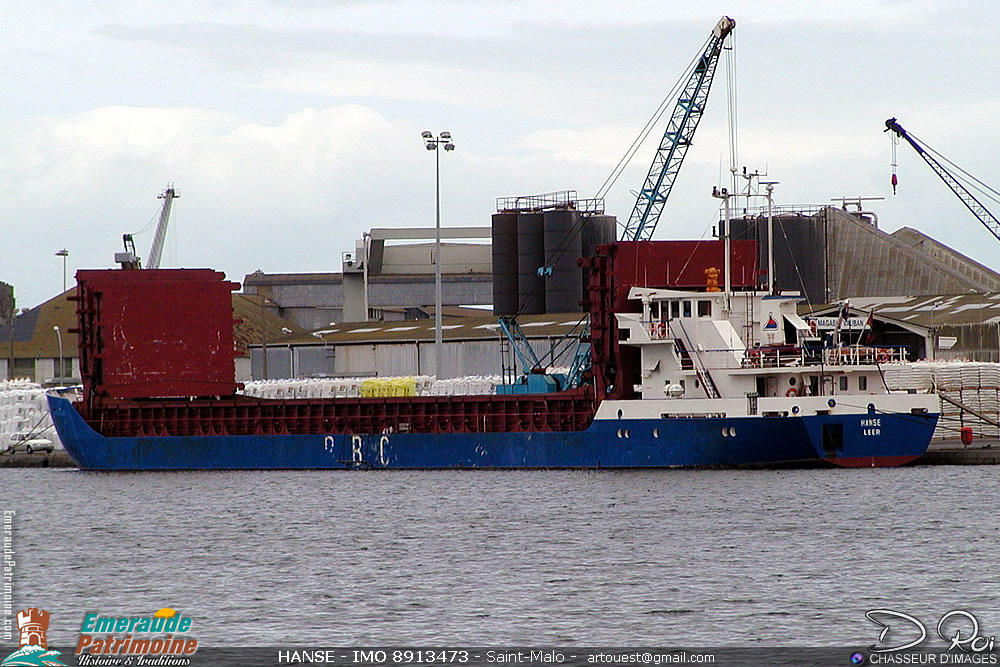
964,195
676,139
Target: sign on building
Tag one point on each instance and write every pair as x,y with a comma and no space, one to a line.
831,322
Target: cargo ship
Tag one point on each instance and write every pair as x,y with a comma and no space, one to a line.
676,378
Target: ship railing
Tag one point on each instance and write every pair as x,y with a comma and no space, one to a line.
801,210
723,359
848,355
563,199
658,330
862,355
774,357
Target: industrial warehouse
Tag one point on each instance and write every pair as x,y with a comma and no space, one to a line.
939,303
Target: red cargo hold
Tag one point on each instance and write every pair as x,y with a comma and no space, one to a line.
156,333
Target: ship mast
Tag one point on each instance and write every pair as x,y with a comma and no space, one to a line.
723,194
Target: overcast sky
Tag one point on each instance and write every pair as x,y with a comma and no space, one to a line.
291,126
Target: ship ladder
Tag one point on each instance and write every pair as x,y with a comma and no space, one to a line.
699,367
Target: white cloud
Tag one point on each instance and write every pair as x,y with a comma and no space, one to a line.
299,187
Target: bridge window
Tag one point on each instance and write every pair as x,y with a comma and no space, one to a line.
687,309
704,309
843,383
675,309
862,382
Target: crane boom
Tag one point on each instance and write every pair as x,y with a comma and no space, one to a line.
156,250
982,214
677,138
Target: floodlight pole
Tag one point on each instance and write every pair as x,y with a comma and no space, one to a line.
432,143
64,254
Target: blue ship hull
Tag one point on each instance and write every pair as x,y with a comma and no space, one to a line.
622,443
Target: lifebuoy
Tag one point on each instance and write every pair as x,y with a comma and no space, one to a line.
792,391
882,355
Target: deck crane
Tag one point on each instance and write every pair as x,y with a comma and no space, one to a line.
129,259
156,250
982,214
677,138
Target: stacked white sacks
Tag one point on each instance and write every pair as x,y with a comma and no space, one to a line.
23,409
975,385
420,385
472,385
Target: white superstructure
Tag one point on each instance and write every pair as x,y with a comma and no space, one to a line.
695,355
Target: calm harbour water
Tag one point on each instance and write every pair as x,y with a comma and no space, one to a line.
490,558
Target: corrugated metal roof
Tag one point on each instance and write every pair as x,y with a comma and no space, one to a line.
255,322
34,336
926,311
464,328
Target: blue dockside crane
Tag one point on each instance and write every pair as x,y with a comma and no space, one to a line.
677,138
971,202
649,204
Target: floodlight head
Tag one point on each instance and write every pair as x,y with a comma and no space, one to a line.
430,145
446,135
55,328
426,134
449,146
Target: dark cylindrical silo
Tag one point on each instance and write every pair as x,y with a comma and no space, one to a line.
563,237
505,291
598,230
530,256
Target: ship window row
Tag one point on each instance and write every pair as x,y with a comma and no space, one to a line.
683,308
862,383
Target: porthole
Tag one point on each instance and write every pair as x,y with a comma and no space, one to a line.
795,409
725,432
656,433
620,414
732,431
620,433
